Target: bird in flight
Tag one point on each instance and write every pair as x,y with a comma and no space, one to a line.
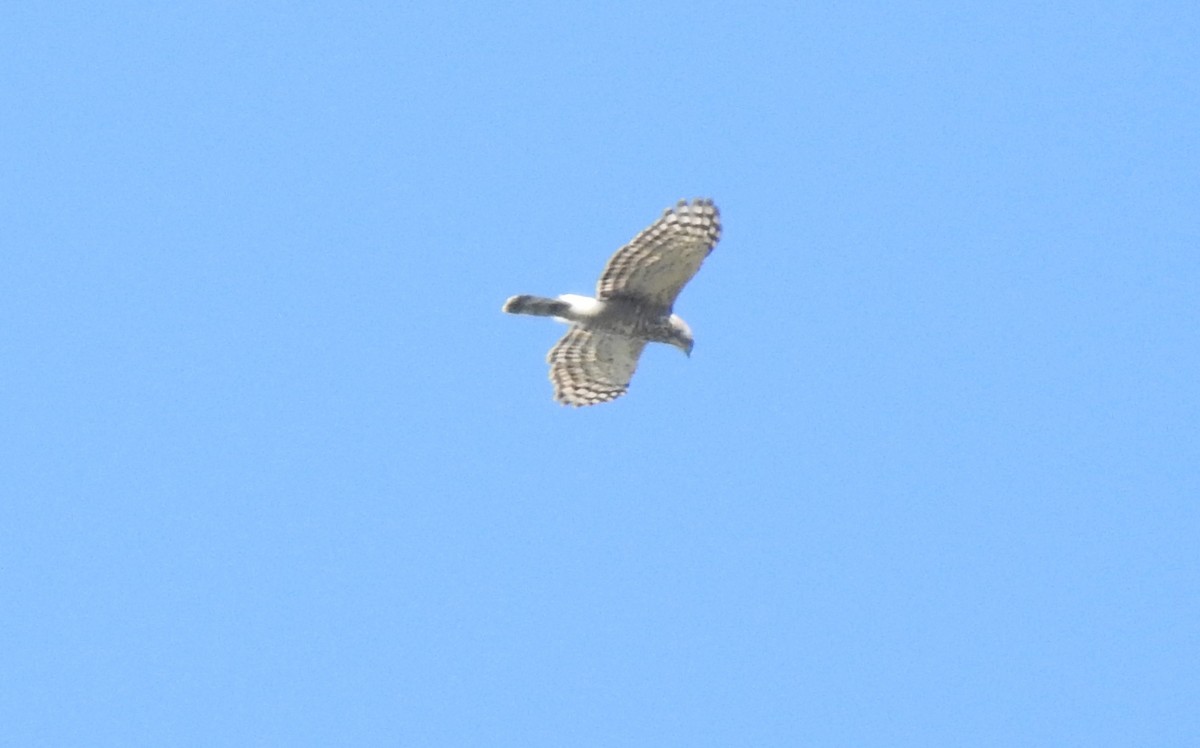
634,303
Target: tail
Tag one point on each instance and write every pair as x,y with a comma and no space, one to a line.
538,306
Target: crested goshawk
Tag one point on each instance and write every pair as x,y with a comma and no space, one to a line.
595,360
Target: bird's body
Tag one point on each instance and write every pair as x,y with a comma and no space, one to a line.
595,360
618,316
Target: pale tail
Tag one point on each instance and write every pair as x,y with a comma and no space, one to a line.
539,306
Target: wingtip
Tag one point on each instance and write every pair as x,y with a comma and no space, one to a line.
696,202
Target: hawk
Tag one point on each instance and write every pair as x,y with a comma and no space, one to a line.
595,360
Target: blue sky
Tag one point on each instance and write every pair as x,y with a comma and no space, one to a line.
277,471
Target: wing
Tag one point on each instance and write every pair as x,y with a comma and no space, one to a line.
655,266
592,367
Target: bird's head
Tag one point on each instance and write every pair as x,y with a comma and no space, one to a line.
681,335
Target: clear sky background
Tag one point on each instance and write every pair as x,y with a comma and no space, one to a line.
276,470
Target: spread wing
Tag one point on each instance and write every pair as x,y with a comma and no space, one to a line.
655,266
592,367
